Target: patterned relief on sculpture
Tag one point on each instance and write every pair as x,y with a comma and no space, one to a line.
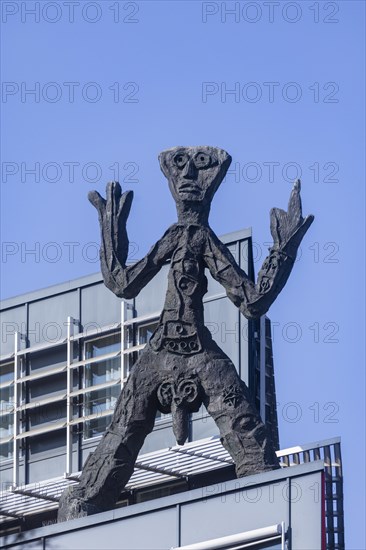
232,396
180,397
272,265
177,337
180,328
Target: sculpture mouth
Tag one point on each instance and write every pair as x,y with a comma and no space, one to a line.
189,188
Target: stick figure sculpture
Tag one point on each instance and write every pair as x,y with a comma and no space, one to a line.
182,367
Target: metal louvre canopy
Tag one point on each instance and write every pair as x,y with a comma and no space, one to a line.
151,469
184,463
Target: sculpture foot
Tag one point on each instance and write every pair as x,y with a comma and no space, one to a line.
243,470
252,461
251,456
72,506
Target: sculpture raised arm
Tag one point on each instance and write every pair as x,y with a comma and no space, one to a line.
287,229
126,281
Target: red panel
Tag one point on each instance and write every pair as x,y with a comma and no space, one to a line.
323,524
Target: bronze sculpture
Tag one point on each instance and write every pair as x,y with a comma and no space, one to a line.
181,367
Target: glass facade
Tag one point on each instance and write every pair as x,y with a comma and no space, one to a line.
101,373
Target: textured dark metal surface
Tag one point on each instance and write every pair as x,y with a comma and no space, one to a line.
182,367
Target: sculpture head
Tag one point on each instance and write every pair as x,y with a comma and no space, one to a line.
194,173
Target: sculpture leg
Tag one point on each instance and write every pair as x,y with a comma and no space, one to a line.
242,431
108,469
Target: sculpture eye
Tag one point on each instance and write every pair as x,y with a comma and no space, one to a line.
202,160
181,159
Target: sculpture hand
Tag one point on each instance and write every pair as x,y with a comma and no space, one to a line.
288,228
113,213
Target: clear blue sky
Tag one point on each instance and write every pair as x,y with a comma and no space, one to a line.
151,75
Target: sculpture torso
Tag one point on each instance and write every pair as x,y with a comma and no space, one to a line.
181,323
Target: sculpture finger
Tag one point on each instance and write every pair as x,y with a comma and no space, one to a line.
113,191
97,200
125,206
277,223
294,209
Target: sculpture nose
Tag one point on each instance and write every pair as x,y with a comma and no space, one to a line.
190,171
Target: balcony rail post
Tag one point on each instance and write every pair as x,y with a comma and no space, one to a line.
69,399
16,427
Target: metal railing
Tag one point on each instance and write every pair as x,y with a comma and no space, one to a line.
330,452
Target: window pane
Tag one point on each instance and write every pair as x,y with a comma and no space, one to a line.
7,399
93,428
98,402
102,346
103,371
6,372
6,450
6,425
128,336
145,332
101,400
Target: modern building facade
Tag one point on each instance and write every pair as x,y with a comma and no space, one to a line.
66,352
